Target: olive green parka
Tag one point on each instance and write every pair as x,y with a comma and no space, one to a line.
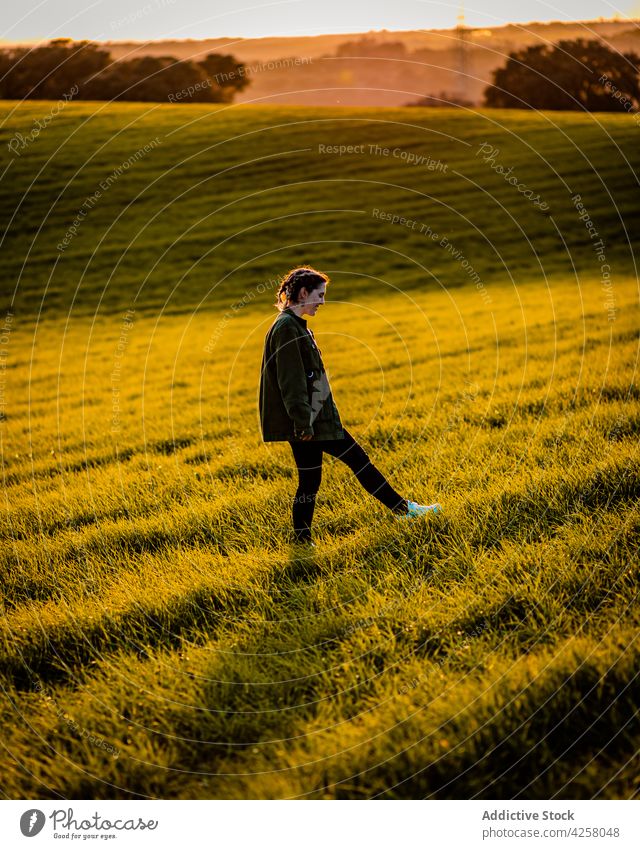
295,396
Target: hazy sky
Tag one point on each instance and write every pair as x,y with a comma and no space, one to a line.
157,19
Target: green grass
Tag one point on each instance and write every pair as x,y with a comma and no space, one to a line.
229,197
159,637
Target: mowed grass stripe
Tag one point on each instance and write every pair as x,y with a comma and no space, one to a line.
190,170
150,597
66,544
446,556
235,713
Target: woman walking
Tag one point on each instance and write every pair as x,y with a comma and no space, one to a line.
297,406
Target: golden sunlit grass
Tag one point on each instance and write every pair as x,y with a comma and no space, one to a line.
161,639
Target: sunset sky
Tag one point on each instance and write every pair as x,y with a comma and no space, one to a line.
158,19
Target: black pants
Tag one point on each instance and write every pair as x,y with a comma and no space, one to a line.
308,457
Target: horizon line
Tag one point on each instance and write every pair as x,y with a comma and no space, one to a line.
240,38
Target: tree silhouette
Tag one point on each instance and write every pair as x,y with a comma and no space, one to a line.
369,48
226,73
151,79
574,74
62,66
49,71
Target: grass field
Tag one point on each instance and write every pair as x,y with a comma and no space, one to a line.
160,638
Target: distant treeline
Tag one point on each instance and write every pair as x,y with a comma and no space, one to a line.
574,74
89,72
571,75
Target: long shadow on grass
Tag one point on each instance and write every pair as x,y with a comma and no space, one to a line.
61,653
54,655
288,665
272,678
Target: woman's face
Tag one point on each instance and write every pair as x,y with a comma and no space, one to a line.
311,300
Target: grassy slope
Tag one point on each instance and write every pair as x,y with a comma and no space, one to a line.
149,599
230,197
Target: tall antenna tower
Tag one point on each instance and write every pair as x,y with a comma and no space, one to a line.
462,34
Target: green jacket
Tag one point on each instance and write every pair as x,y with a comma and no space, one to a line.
295,396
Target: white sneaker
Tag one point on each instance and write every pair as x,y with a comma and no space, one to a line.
304,543
416,510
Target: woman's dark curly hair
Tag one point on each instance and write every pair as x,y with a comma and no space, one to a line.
294,280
